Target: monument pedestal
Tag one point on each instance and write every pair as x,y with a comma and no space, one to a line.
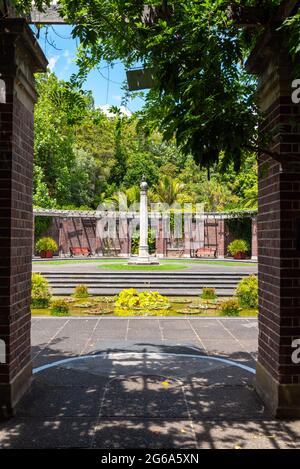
144,257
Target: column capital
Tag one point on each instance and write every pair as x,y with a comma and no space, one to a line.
21,57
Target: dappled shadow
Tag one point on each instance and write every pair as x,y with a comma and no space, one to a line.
144,396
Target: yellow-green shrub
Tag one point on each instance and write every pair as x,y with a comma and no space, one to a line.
59,308
40,292
131,298
81,291
230,308
247,292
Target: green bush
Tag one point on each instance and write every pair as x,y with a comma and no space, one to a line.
230,308
40,292
208,294
238,245
59,308
81,291
46,244
247,292
135,243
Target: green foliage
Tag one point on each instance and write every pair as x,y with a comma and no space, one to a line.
40,292
208,294
230,308
202,93
238,245
46,244
59,308
41,225
247,292
131,298
81,291
135,243
95,159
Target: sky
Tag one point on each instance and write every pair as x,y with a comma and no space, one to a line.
105,83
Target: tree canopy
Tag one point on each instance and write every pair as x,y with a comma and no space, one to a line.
83,158
202,94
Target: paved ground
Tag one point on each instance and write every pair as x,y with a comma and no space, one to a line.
194,266
156,383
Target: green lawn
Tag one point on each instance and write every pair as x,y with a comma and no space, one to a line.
75,261
163,266
177,264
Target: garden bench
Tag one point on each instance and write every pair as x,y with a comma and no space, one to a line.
77,251
206,252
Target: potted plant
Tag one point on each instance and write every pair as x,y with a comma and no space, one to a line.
238,248
46,247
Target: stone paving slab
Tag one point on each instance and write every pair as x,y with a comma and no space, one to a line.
148,383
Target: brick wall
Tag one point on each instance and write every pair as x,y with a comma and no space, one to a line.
278,378
16,221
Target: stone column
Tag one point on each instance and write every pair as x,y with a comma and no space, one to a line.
20,57
278,226
254,239
144,257
143,248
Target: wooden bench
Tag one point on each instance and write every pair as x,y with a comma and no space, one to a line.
206,252
77,251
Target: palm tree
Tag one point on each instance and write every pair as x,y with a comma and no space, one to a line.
167,190
122,200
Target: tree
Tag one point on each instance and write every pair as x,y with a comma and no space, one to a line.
167,191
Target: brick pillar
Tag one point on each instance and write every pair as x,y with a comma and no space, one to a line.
278,377
20,57
124,236
254,239
221,239
160,243
187,235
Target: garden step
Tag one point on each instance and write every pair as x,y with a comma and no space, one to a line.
167,292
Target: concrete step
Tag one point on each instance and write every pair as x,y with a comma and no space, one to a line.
143,282
146,274
142,285
164,291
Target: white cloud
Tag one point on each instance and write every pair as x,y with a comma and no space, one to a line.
117,98
52,62
105,109
68,56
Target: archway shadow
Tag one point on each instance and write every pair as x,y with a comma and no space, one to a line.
144,396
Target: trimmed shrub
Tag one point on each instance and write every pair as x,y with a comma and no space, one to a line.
81,291
59,308
238,245
247,292
46,244
40,292
230,308
208,294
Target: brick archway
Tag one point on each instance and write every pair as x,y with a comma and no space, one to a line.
278,378
21,57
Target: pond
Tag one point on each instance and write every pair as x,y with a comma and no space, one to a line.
105,306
